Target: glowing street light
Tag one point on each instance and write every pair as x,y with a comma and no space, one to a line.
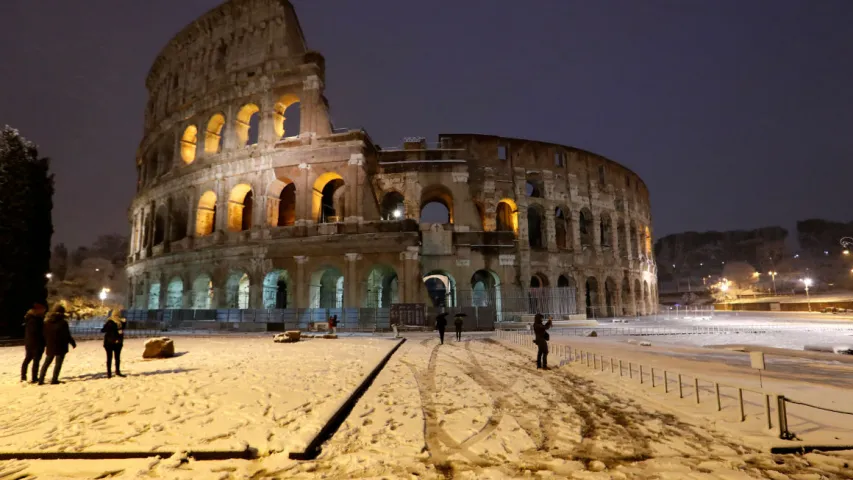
808,282
398,213
773,276
48,276
103,295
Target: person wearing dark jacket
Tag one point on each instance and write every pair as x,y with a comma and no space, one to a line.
33,340
441,325
541,340
457,322
113,331
57,337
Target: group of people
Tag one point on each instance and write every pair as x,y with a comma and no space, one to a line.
441,325
540,332
49,334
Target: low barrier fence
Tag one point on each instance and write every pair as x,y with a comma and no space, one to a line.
744,402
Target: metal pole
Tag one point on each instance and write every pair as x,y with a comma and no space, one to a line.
612,366
620,369
784,434
767,412
717,393
740,403
680,388
641,374
696,388
665,382
653,377
630,370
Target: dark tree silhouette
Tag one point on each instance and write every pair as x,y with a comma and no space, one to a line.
26,227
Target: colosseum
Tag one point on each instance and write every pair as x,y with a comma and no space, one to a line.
249,201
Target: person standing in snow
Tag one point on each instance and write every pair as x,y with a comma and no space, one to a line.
113,331
541,340
458,324
441,325
57,337
33,340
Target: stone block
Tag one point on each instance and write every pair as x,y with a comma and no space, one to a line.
162,347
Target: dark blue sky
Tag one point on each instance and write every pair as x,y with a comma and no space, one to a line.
736,113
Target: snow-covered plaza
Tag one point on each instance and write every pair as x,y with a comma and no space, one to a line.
472,409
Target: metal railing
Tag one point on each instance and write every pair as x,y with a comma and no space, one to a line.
722,396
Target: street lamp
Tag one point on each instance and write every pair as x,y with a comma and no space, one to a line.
773,276
808,282
48,276
103,295
398,213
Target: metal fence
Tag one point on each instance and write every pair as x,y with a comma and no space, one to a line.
743,402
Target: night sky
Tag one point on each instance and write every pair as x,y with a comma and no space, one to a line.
737,114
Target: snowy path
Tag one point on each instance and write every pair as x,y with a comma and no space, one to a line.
473,409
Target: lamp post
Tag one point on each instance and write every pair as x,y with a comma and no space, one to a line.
103,295
808,282
773,276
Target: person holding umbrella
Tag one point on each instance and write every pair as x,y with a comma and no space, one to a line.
458,324
441,325
540,331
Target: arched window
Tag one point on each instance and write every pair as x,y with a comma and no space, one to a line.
382,287
206,215
606,229
240,205
247,125
202,292
536,226
175,294
276,294
160,225
237,290
436,205
327,288
506,218
329,203
213,134
561,229
188,144
585,220
393,206
287,118
441,288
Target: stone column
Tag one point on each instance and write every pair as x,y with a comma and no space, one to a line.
550,227
523,228
627,239
351,282
304,195
167,228
229,130
192,211
355,192
266,126
614,235
580,294
314,115
576,230
187,297
301,299
596,231
256,291
146,287
164,291
271,218
221,206
409,282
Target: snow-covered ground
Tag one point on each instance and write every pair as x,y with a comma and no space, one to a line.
472,409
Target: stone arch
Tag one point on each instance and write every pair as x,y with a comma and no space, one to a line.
202,292
287,116
327,206
562,230
433,198
278,292
585,227
382,287
175,294
507,216
486,291
281,203
539,280
621,233
610,296
154,296
626,295
240,206
536,231
205,222
189,143
393,206
592,297
213,134
605,229
178,219
441,288
237,288
638,298
327,288
635,242
534,187
247,124
160,220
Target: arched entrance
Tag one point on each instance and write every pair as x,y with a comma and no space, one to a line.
592,298
566,295
154,296
327,288
486,291
202,292
240,206
610,297
237,291
436,205
382,288
441,288
281,195
175,294
626,295
276,294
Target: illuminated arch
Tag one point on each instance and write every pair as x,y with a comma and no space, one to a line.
323,203
213,134
383,287
175,294
243,124
240,204
282,105
188,144
205,222
507,216
393,206
281,203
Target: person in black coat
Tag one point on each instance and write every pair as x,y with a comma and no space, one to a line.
57,337
540,331
113,331
33,340
441,325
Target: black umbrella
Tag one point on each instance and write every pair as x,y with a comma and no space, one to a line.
461,315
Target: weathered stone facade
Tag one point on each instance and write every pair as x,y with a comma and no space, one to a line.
235,211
